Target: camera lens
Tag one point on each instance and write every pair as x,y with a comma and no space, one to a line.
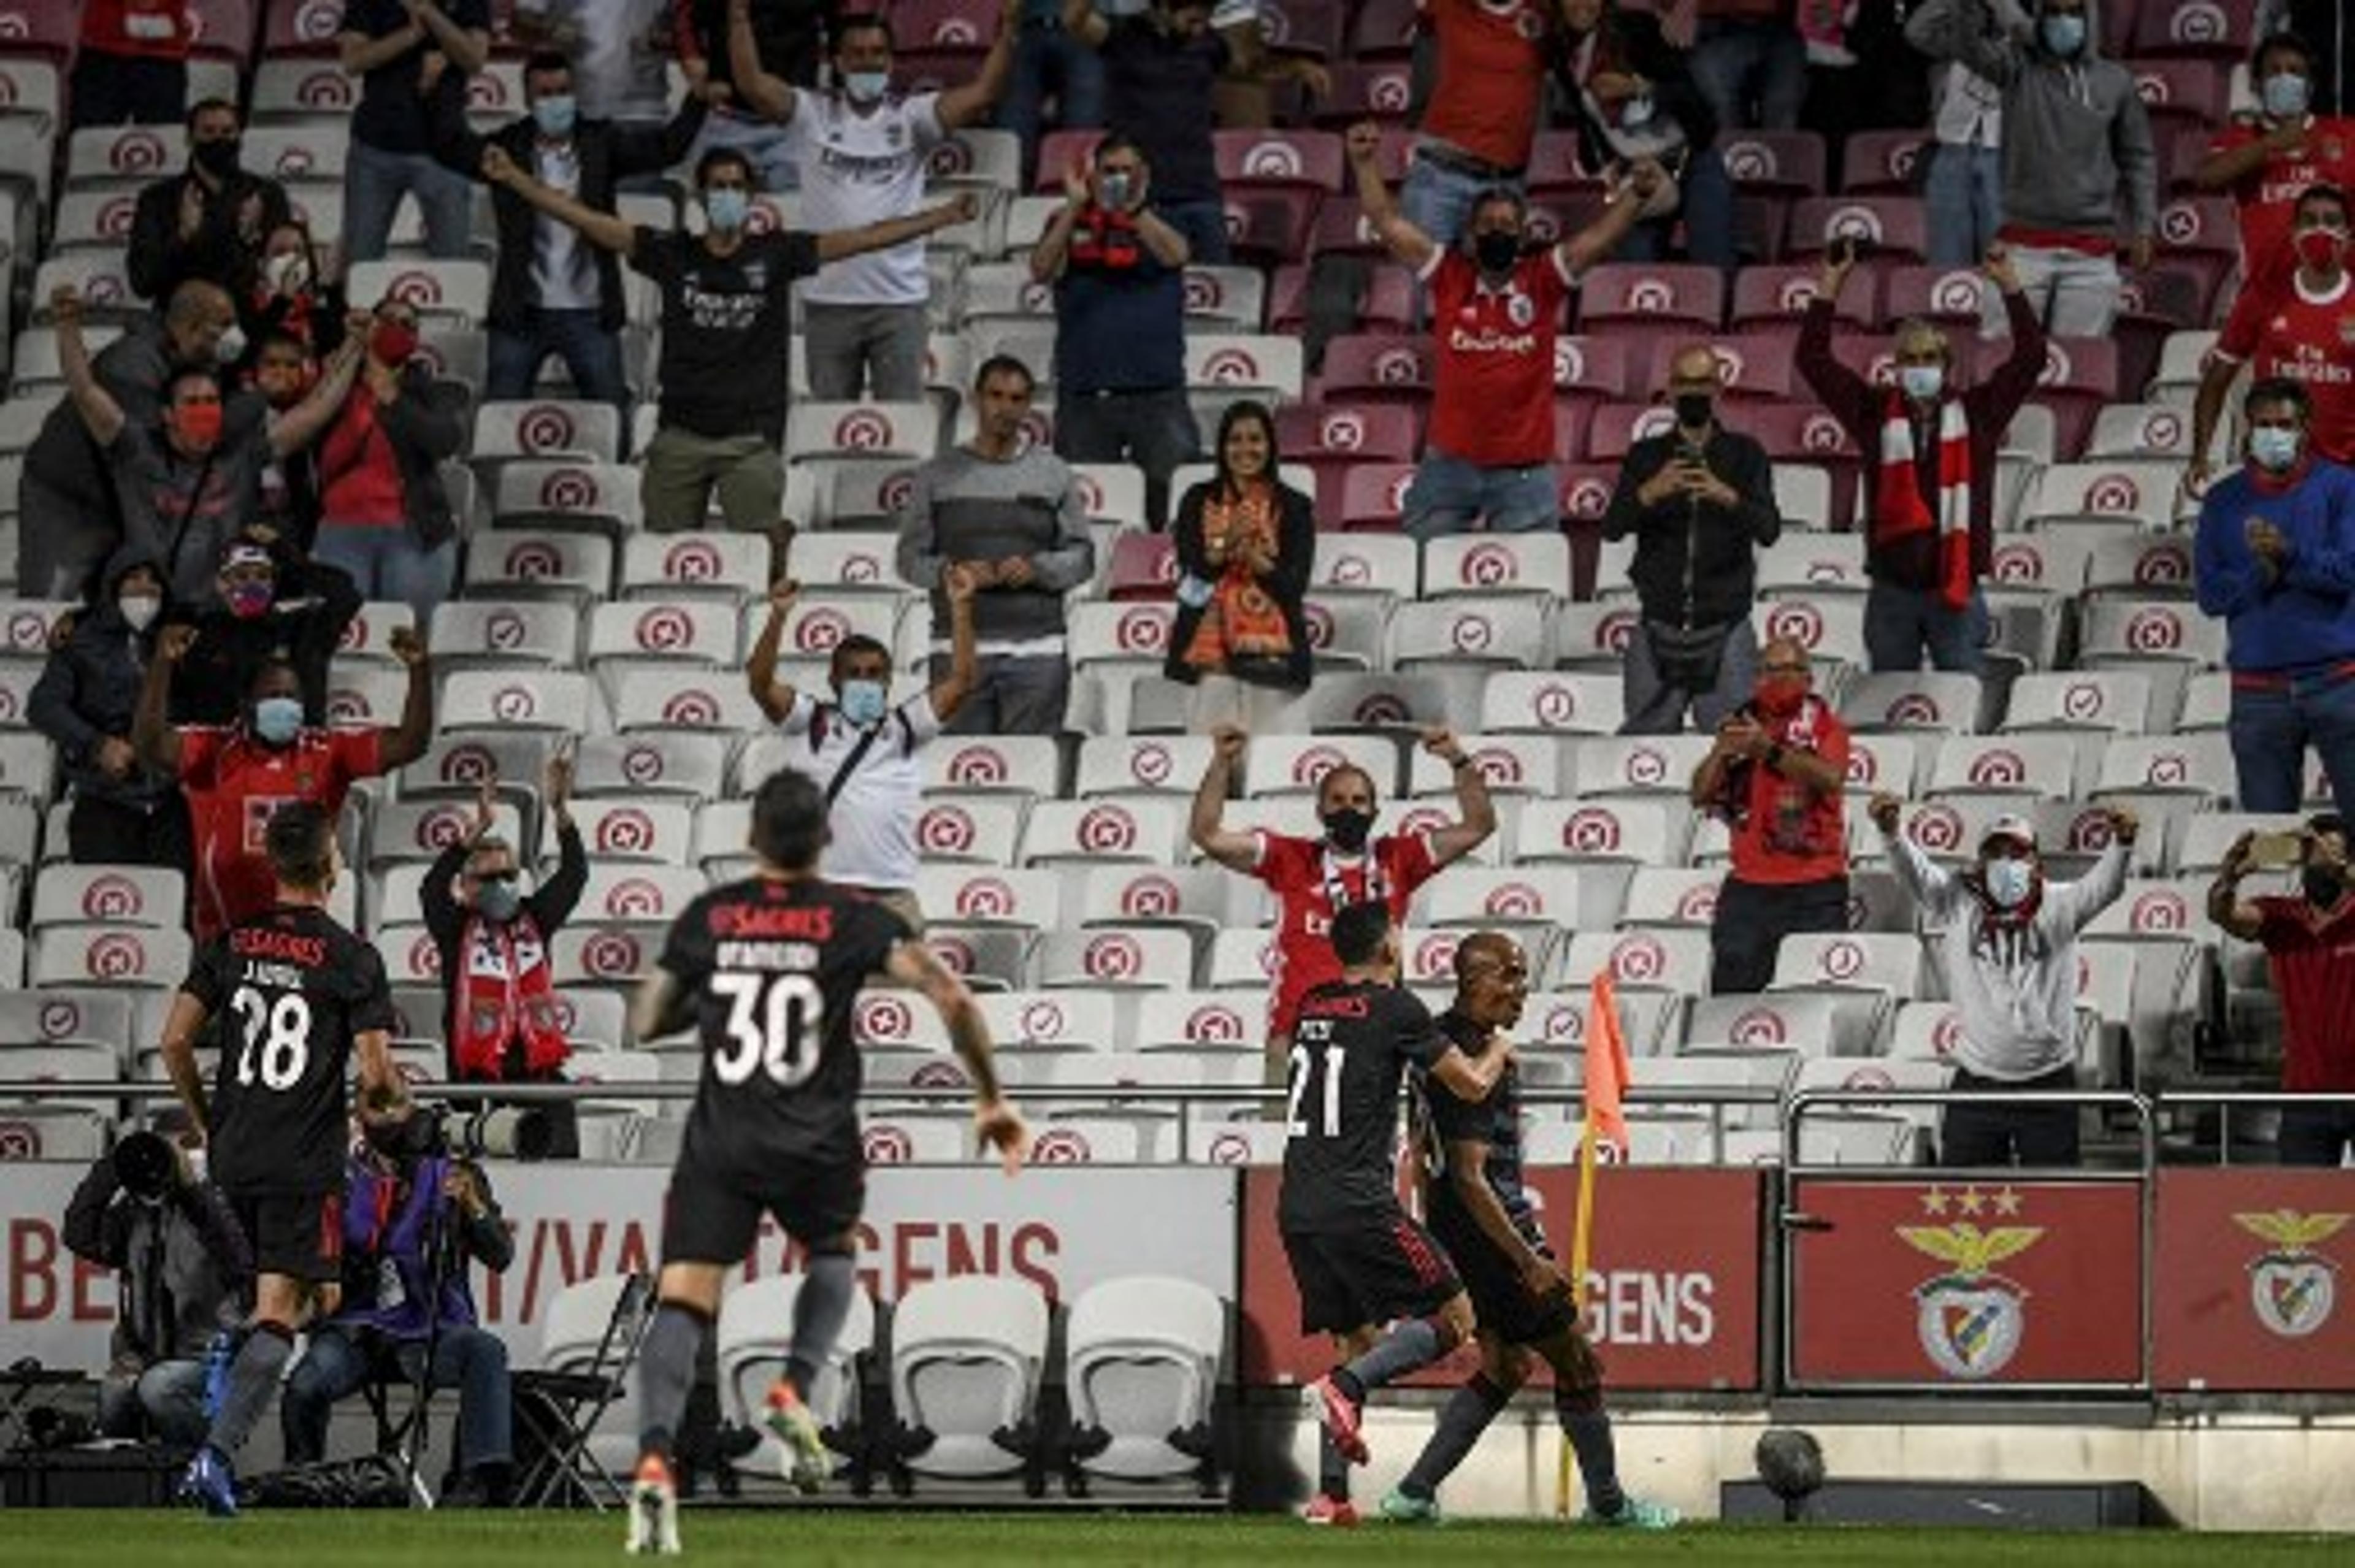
142,1164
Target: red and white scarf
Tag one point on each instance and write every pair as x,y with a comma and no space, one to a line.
1898,507
505,992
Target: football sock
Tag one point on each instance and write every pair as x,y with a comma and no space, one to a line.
252,1381
1332,1467
1466,1416
666,1372
819,1309
1412,1346
1588,1426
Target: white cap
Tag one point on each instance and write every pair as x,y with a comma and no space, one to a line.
2012,826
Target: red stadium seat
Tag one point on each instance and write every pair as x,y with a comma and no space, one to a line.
1143,566
944,26
1554,168
1384,29
1586,490
1341,229
50,30
1618,426
1594,369
225,28
1947,296
2181,153
1570,421
1269,227
1369,90
1311,28
1776,297
1881,163
2181,92
1562,214
1653,294
1278,160
2080,379
1775,163
1804,433
299,27
1378,369
1372,494
2196,29
1756,368
1057,151
1346,433
1896,225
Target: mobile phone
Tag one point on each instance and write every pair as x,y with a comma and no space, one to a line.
2273,851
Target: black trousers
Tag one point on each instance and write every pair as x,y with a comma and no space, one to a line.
107,832
2037,1136
109,90
1752,920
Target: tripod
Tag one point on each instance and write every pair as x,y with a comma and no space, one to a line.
405,1441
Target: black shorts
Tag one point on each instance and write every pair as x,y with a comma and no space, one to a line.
1370,1274
298,1234
712,1216
1505,1306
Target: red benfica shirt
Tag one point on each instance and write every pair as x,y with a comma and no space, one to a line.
2269,198
1309,878
1492,382
234,784
1491,79
2311,340
154,29
2313,964
1788,834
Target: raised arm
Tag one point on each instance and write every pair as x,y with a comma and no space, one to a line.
1476,817
2225,905
2074,904
602,230
1237,851
359,54
960,106
1405,241
996,1124
771,97
468,48
1472,1078
1931,886
1957,30
845,242
775,697
299,426
1083,21
157,743
2208,406
1596,241
407,740
101,414
964,664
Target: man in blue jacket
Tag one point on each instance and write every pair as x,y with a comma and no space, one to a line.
2275,557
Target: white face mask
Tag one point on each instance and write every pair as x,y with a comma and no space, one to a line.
287,273
139,610
2009,882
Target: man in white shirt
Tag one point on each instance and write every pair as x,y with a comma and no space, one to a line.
861,150
862,751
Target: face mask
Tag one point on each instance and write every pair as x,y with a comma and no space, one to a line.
1348,830
2274,449
727,207
863,703
249,599
866,86
1694,409
2286,95
1497,252
497,901
232,346
1635,113
199,424
139,610
1922,383
2009,882
1114,190
217,159
2064,36
287,273
393,342
2319,249
278,720
1779,696
554,116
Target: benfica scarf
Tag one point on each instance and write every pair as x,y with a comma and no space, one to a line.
504,994
1898,507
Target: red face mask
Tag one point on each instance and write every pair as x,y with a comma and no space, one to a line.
393,342
2319,249
199,424
1779,696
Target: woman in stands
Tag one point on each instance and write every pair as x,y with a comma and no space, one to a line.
1631,96
296,293
1245,543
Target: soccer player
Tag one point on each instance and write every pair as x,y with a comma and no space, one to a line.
1482,1215
2295,319
767,970
1358,1258
298,997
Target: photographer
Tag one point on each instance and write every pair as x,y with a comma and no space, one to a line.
176,1249
414,1215
2310,942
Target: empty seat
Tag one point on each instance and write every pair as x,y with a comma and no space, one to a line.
1142,1373
967,1356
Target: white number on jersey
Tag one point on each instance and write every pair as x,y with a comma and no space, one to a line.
1304,1067
277,1037
776,1024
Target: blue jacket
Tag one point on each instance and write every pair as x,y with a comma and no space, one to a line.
390,1224
2304,616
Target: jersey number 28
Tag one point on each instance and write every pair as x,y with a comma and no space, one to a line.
775,1023
1304,1067
277,1037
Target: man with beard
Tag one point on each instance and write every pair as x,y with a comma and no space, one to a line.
2310,942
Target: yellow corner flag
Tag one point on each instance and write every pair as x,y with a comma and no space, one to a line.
1606,1087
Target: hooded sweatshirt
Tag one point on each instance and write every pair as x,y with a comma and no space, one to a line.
90,689
2074,133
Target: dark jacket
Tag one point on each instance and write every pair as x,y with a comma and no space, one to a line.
608,154
1696,564
549,905
790,36
303,627
133,368
1295,558
224,251
400,1217
1912,560
177,1263
1631,42
425,425
88,690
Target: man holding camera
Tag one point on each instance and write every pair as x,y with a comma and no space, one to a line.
415,1214
178,1256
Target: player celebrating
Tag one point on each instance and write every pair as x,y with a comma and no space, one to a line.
1483,1216
1358,1258
768,970
298,996
2294,318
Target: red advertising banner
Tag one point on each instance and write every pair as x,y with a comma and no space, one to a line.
2249,1264
1949,1284
1672,1287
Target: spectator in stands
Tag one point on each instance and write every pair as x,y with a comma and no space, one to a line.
553,293
2008,938
68,521
184,483
620,51
1698,500
1315,879
726,329
2291,321
863,752
1246,542
862,150
2267,158
209,220
122,813
1749,62
236,776
291,292
404,52
269,605
1928,477
384,516
178,1254
1162,67
1049,62
1118,268
1962,188
131,62
1009,513
1776,776
1632,98
415,1217
2076,144
287,504
792,35
1258,64
2269,558
2310,942
1497,308
1480,118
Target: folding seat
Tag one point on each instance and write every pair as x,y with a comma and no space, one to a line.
1129,767
1804,495
1950,297
27,772
1054,1020
1510,765
1775,295
1895,225
455,289
1385,567
1198,1021
1803,433
634,895
109,895
1373,496
563,494
1061,831
407,830
2129,430
2015,767
1805,1023
672,697
1242,365
1887,962
2149,633
521,564
1010,765
93,219
1143,1358
968,1354
1546,701
1192,899
1636,766
628,637
2182,360
1381,90
99,279
1670,896
976,831
987,896
2145,770
12,959
2142,492
1509,632
1777,163
1483,565
109,954
1297,765
458,762
1800,565
1271,160
754,1342
1266,229
1379,368
1381,703
2115,702
648,832
1241,959
487,633
1226,298
819,431
60,1018
137,153
2219,30
1669,960
1333,434
1830,628
1626,833
1881,164
1652,295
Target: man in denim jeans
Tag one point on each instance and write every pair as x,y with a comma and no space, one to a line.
1486,92
1962,193
403,50
1746,53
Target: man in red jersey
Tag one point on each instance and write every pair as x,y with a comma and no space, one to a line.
2300,327
236,776
2310,942
1497,309
1482,117
2264,159
1313,878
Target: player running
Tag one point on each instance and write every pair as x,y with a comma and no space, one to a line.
1481,1212
297,995
1358,1258
768,969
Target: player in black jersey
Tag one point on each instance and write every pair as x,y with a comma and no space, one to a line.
298,997
767,971
1479,1209
1358,1258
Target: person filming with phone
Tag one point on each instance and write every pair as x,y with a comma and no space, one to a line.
2309,942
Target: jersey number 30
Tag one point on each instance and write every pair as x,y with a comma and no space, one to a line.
773,1025
277,1037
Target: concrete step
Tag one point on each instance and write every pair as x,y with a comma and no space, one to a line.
2005,1505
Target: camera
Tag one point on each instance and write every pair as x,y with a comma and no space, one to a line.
144,1165
484,1132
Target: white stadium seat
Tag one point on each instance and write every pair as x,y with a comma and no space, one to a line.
1142,1369
967,1358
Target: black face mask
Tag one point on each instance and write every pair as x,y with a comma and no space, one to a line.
1694,409
217,159
2322,885
1496,253
1348,830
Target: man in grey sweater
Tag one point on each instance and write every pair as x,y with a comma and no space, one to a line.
1009,513
2007,943
2075,141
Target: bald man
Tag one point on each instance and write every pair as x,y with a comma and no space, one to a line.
1698,501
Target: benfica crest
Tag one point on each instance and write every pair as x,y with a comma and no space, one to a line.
2293,1287
1970,1318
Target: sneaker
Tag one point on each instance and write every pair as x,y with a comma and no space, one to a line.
653,1510
807,1463
1404,1507
211,1483
1635,1513
1337,1413
1338,1513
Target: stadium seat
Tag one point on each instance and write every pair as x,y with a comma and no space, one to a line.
1113,766
116,895
100,1019
1896,227
2115,702
1510,764
1603,766
694,766
489,634
1667,960
1652,295
1058,832
105,953
627,635
648,832
967,1356
1505,631
965,829
753,1343
1198,1020
577,1416
1297,765
1829,626
1810,1024
1485,565
1142,1372
1549,702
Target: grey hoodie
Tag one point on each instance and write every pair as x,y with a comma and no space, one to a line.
2075,135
